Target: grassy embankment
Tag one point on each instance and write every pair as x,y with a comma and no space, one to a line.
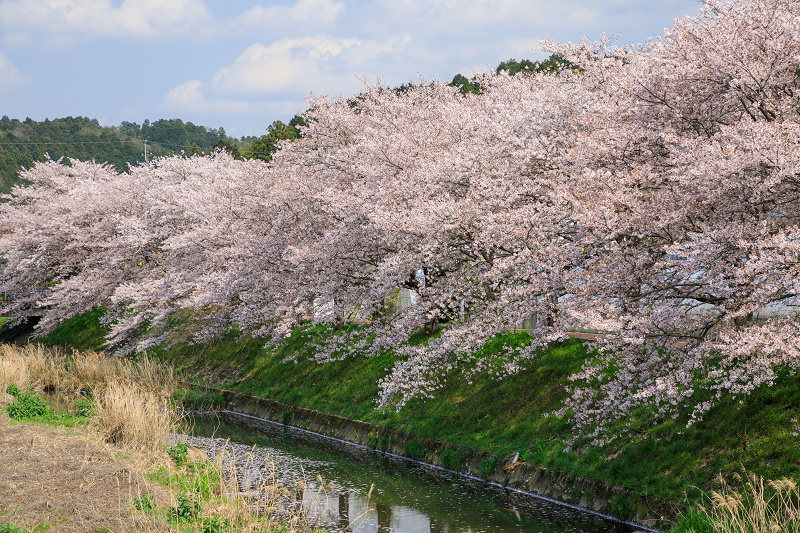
663,459
107,465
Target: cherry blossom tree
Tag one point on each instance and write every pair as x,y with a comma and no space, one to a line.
648,192
685,191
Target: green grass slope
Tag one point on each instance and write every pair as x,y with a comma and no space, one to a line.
505,416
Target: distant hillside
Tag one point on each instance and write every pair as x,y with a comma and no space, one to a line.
24,142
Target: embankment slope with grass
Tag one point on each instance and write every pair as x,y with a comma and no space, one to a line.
503,417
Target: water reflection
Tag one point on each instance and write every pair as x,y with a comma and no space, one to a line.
362,491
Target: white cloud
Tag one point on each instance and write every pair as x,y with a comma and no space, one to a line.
10,76
284,65
140,18
189,97
308,12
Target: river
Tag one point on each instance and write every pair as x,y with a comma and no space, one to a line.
363,491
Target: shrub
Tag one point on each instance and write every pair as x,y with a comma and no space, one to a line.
215,524
415,450
13,390
27,405
188,508
205,479
84,407
11,528
693,521
451,460
179,453
144,502
622,508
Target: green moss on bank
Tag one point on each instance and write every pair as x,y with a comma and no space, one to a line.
511,415
83,332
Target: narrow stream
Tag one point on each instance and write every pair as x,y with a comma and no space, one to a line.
370,492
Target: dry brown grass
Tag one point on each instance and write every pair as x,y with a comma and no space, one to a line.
134,417
759,507
132,395
43,368
65,479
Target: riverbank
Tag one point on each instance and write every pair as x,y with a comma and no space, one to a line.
500,418
102,460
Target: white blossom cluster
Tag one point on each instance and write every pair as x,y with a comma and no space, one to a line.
651,193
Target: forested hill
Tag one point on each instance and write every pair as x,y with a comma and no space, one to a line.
24,142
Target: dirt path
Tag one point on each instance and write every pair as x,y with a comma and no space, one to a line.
64,479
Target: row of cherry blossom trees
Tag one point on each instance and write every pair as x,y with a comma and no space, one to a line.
651,193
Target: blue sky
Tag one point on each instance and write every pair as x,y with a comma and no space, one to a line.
242,64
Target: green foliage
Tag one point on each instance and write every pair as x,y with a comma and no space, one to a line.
11,528
622,508
179,453
415,450
228,146
199,400
144,502
552,65
487,467
174,136
452,460
23,143
266,145
85,407
82,332
215,524
188,507
203,478
465,85
693,521
27,405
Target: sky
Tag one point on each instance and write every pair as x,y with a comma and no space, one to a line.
241,65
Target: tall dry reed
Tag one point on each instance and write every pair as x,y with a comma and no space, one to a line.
131,416
43,368
131,395
29,366
759,507
254,494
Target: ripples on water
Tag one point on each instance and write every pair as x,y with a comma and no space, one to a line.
369,492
